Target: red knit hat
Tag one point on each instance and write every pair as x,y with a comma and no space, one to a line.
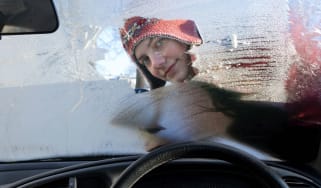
138,28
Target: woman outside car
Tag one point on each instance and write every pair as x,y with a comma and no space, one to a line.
160,48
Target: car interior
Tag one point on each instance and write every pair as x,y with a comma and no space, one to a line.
295,160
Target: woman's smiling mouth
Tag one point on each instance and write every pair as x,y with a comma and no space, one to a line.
169,69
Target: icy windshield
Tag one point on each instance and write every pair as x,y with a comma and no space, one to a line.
61,92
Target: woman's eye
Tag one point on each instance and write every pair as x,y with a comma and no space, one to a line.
159,43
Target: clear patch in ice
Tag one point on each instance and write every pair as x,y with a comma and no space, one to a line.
116,63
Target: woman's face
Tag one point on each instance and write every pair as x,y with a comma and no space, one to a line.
165,58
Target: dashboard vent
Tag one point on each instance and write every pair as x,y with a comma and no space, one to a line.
294,182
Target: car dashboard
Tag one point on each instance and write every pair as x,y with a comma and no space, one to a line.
178,173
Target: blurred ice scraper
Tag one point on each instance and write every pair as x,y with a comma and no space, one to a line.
197,111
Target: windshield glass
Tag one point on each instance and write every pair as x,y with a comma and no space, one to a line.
71,93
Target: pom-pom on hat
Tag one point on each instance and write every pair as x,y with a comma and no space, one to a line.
137,28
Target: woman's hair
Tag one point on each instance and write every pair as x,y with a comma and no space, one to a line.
152,80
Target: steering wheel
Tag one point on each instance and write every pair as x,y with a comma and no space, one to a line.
164,154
